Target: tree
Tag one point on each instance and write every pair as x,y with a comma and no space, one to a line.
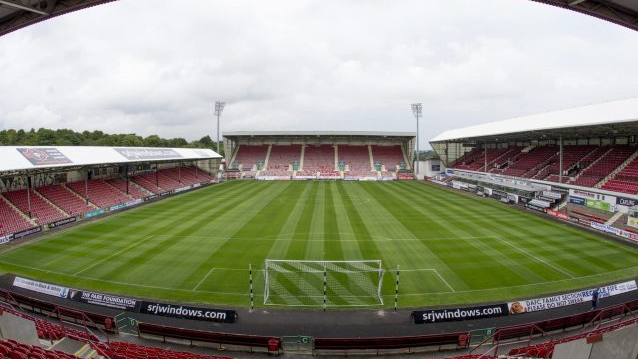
67,137
206,141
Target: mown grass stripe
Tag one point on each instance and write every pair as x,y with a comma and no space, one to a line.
210,235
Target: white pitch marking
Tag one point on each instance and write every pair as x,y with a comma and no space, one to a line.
430,270
246,294
203,279
112,255
532,256
443,279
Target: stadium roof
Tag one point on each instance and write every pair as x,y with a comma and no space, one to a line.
317,134
609,119
25,158
16,14
621,12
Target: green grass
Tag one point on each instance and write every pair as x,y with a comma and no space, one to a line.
451,248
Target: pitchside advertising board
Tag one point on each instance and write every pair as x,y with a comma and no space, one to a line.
62,222
17,235
91,214
27,232
105,300
619,232
128,304
188,312
6,239
458,314
593,200
563,300
41,287
577,200
627,202
560,215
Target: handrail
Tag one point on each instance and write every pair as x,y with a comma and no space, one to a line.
85,318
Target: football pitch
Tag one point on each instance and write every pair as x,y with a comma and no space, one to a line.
197,247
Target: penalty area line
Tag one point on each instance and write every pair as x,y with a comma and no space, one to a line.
203,279
444,281
430,270
533,256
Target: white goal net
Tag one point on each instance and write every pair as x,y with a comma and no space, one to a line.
319,283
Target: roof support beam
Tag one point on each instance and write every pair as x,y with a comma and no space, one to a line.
575,2
22,7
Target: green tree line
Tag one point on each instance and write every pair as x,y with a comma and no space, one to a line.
65,137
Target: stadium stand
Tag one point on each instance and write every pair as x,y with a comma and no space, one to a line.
12,349
50,331
496,159
42,212
389,156
469,160
599,169
99,192
64,198
281,159
356,159
319,159
626,180
528,165
248,157
148,182
571,156
187,176
12,220
624,186
166,182
157,182
134,190
124,350
546,349
587,165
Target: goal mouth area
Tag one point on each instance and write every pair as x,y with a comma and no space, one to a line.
312,283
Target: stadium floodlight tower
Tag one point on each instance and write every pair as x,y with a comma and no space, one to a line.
219,108
417,110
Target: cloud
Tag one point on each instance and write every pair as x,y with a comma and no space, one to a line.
308,65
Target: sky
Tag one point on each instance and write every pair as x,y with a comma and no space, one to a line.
156,67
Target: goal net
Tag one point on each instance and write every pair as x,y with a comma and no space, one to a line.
319,283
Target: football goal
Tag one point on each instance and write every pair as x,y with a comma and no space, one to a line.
323,283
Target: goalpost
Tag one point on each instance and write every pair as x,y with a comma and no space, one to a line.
323,283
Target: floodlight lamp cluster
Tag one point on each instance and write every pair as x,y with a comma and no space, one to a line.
417,109
219,107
